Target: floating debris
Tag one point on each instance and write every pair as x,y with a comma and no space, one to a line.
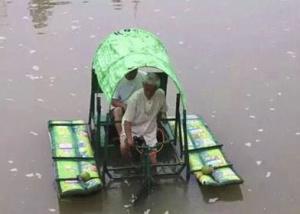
213,200
33,77
291,54
156,10
10,99
298,133
181,42
247,108
187,10
173,17
127,205
38,175
92,36
2,38
75,27
248,95
32,51
20,45
73,94
213,116
249,190
35,68
279,93
257,140
126,182
25,18
252,116
260,130
30,175
268,174
75,69
40,100
33,133
10,161
71,49
91,18
13,170
258,163
52,210
147,211
248,144
272,109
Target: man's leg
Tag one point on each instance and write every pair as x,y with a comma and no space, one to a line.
118,114
124,147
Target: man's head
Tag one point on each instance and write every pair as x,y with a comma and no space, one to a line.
151,83
132,74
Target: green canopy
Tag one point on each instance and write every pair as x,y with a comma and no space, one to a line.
128,49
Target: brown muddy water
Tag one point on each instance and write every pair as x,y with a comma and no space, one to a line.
238,62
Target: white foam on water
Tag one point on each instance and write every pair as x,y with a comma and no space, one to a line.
173,17
75,69
2,38
279,93
10,161
92,36
25,18
249,190
33,133
73,94
126,182
297,133
248,144
166,212
260,130
157,10
52,210
248,95
257,140
213,200
20,45
252,116
13,170
247,108
91,18
268,174
255,68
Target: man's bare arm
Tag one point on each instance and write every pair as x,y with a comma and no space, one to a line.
118,103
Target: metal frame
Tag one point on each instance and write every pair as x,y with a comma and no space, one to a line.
95,124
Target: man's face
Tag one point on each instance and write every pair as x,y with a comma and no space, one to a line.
149,90
132,74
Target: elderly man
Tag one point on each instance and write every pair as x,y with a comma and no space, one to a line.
127,86
140,118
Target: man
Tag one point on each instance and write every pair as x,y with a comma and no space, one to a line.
140,118
132,82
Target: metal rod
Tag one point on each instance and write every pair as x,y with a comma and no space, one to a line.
186,155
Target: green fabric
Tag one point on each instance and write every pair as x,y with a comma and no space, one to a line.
125,50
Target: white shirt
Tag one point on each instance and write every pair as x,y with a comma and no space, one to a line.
126,87
142,113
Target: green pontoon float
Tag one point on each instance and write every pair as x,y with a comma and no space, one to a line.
186,145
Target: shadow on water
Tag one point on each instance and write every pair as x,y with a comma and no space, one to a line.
41,10
226,193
